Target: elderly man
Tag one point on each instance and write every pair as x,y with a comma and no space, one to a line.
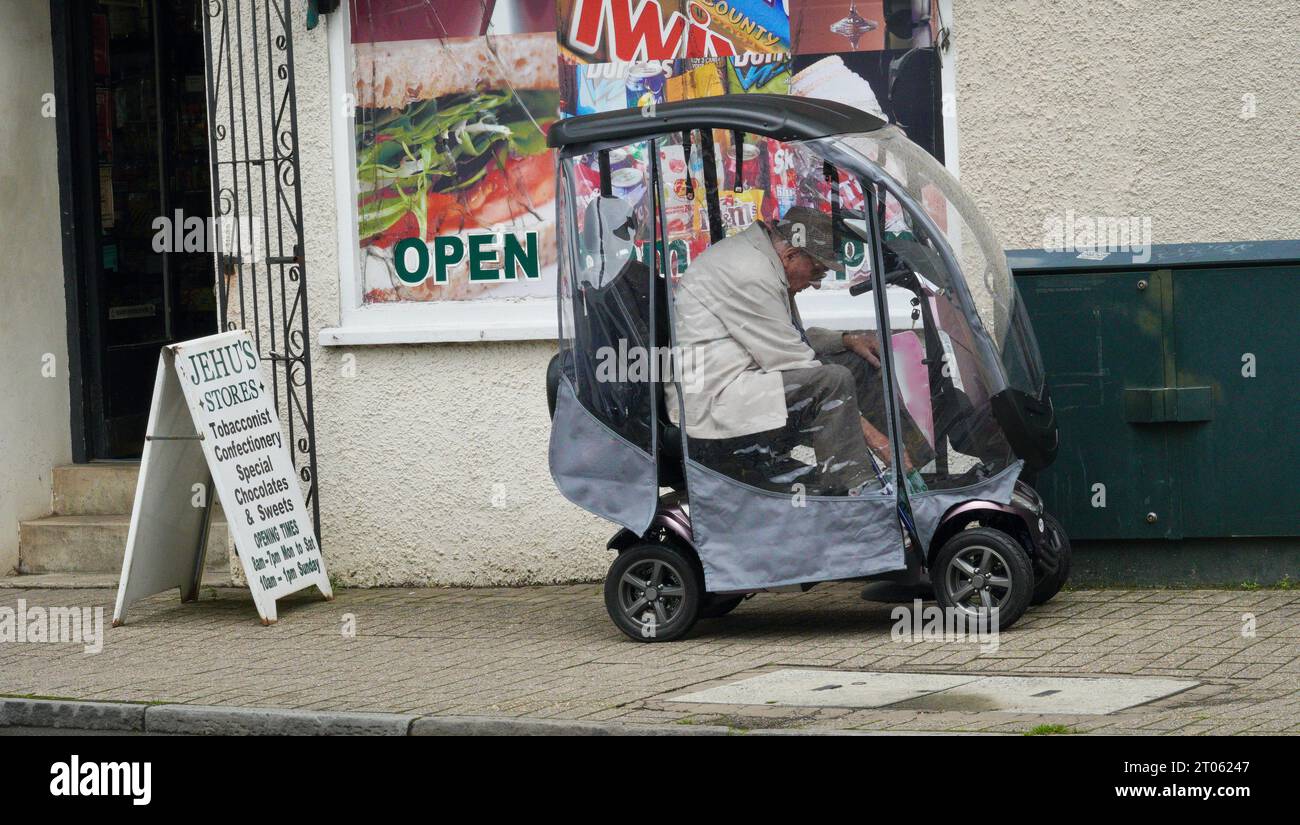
749,365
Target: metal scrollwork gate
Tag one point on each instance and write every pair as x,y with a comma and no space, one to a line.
257,204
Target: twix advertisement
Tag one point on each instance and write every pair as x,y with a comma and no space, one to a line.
620,53
601,31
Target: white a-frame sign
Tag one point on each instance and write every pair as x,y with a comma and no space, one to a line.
213,419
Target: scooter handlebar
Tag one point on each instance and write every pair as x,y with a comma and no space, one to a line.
890,279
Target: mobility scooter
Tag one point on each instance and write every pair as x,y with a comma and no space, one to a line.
716,497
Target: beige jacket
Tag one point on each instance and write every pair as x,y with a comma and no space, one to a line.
735,324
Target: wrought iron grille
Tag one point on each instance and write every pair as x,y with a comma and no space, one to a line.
257,201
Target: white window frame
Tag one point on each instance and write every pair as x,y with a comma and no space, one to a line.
948,89
521,319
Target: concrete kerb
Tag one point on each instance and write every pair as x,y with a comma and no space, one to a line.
209,720
71,713
522,726
198,720
215,720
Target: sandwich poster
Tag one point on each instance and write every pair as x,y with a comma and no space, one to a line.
455,185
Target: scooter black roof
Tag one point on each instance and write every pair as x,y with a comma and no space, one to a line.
783,117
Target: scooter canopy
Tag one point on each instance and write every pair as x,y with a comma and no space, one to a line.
773,116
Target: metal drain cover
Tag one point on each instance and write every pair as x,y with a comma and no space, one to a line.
827,688
937,691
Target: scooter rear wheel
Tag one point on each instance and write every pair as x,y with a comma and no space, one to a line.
981,569
653,593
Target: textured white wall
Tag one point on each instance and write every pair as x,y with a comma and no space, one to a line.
1131,108
1105,108
34,422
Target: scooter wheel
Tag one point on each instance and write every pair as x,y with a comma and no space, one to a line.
1051,584
653,593
981,569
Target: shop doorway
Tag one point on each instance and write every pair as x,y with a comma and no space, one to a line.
135,174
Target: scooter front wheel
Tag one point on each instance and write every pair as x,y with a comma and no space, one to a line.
981,570
653,593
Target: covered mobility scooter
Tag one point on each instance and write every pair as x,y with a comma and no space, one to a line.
699,405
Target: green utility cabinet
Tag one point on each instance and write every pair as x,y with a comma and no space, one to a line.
1175,383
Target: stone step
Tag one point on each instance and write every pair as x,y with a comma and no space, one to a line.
91,544
104,488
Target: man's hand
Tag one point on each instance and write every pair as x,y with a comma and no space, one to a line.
879,444
864,345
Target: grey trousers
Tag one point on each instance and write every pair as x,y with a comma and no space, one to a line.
822,405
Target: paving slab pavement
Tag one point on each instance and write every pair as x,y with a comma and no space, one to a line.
550,652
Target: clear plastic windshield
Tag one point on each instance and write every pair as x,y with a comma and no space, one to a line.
982,262
974,340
